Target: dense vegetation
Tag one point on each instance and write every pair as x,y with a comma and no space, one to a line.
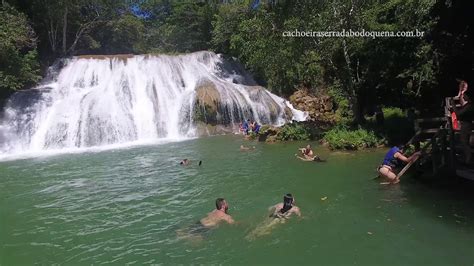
362,74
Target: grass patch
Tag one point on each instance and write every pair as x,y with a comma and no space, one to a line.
293,131
347,139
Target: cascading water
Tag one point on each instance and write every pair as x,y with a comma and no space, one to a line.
104,100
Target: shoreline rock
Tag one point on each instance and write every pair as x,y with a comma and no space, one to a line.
320,107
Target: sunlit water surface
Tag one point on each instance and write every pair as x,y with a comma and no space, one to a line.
127,205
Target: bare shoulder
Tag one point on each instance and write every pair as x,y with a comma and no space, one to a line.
296,210
276,207
228,219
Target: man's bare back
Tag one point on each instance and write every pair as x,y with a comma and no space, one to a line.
218,215
215,217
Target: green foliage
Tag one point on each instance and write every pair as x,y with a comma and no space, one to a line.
410,149
397,127
125,35
393,113
352,66
293,131
224,25
19,65
185,27
344,114
343,138
359,73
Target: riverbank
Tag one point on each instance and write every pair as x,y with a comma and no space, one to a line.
396,128
330,123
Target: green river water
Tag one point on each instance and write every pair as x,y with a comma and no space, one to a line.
126,206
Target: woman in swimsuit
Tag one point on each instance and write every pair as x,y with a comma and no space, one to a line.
391,161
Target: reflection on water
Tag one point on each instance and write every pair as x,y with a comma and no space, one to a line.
133,205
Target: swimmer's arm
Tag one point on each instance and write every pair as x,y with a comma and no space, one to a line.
271,209
229,219
297,211
401,157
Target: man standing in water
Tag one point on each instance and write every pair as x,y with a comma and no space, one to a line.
218,215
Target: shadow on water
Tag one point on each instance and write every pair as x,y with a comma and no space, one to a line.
444,197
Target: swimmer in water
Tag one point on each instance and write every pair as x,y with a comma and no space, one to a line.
220,214
212,220
285,209
279,213
187,162
307,152
315,158
244,148
308,155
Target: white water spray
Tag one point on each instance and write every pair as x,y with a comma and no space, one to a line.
109,100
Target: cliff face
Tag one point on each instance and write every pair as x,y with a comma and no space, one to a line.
207,103
213,107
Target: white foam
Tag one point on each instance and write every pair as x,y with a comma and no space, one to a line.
106,103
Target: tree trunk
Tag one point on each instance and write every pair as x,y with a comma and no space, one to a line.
52,35
353,97
351,80
64,29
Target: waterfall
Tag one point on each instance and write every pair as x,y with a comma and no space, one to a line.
104,100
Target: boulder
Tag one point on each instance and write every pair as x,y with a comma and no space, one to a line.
320,107
204,129
207,103
259,94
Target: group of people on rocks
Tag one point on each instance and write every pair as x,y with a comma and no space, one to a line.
249,126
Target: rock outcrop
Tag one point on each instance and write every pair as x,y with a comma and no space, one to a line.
207,103
320,107
213,108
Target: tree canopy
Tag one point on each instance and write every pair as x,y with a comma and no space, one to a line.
362,71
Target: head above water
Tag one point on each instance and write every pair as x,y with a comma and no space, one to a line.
221,204
308,146
184,161
288,201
